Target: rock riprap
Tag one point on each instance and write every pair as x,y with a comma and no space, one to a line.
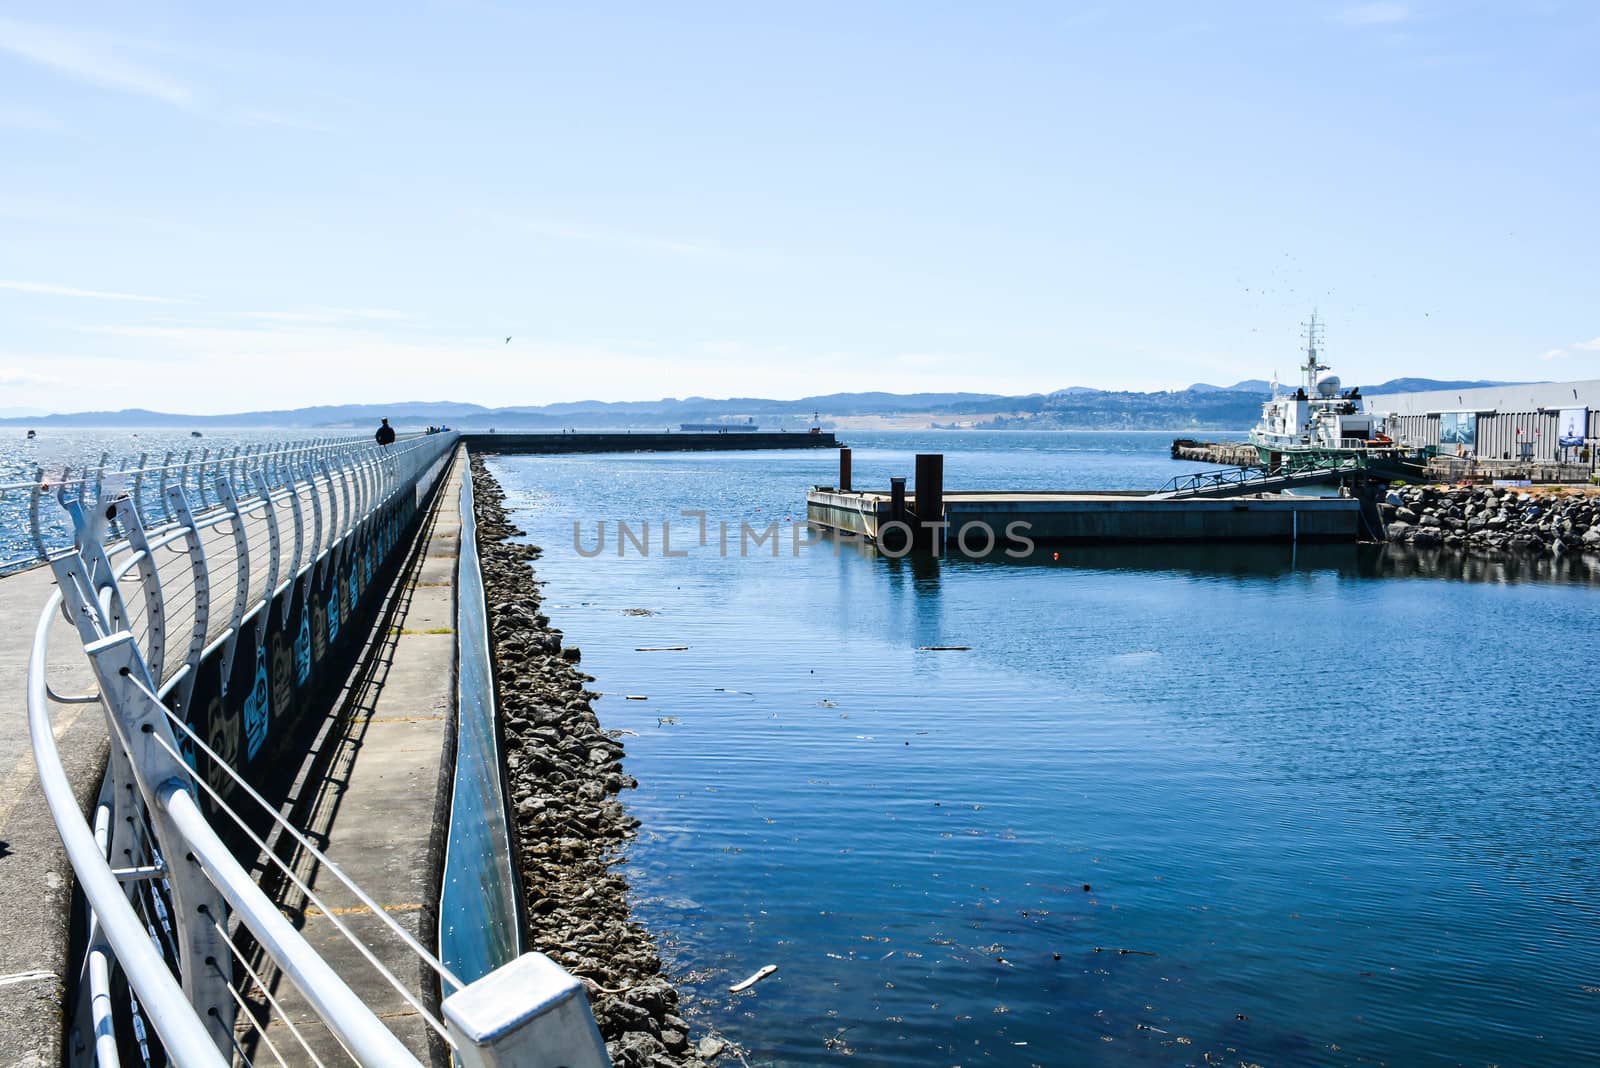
565,773
1494,518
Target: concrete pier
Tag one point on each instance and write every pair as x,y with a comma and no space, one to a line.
1103,517
623,441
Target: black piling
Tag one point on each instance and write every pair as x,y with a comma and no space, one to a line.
930,501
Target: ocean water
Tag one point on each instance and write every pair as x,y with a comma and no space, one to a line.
1254,806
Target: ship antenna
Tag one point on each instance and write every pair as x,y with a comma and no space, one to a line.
1313,336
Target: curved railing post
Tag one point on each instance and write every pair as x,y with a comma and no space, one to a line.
150,583
202,598
39,486
299,542
138,486
139,726
241,570
166,466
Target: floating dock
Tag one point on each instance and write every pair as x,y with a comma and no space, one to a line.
1099,517
976,521
648,441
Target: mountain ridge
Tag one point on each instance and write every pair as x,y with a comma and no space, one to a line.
1199,405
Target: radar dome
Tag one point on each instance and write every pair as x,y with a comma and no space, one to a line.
1329,387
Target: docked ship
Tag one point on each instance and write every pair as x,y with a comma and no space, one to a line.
1321,419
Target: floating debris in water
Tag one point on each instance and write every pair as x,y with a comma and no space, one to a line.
760,974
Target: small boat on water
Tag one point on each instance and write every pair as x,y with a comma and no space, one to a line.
32,434
1321,418
196,434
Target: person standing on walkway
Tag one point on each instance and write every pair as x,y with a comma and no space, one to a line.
385,434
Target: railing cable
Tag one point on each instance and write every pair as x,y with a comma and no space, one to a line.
277,1008
305,843
311,895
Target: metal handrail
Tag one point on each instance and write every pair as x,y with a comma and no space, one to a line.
180,1028
162,917
146,484
148,775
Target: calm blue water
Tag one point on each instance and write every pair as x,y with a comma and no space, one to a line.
1338,819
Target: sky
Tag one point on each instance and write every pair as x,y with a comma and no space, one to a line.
211,208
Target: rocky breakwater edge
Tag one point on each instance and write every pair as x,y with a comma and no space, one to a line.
564,775
1494,519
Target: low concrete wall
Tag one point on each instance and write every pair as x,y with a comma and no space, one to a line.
644,442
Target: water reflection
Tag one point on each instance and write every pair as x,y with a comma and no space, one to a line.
1254,560
1406,561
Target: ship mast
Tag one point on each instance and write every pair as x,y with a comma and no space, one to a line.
1313,336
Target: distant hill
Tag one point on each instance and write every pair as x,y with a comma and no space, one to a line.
1201,406
1249,385
1425,385
1394,385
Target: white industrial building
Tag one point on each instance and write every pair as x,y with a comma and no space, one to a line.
1542,421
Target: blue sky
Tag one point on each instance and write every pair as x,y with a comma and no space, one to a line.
211,208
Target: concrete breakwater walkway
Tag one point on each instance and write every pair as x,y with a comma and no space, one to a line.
1557,520
565,775
643,441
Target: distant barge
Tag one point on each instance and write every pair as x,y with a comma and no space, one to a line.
718,428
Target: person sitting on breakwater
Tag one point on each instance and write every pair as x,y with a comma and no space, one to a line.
385,434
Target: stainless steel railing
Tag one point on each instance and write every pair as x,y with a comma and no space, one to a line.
151,602
26,508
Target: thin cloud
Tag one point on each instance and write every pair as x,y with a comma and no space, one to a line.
1592,345
1377,14
46,289
87,58
606,235
1553,354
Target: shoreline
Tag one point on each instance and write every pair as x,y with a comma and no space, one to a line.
564,776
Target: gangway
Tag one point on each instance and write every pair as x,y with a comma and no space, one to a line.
1293,471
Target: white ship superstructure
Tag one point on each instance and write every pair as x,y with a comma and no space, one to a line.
1320,416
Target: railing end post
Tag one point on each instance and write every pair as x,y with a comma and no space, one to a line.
530,1013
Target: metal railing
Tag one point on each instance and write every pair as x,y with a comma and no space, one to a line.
1302,466
160,592
25,504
